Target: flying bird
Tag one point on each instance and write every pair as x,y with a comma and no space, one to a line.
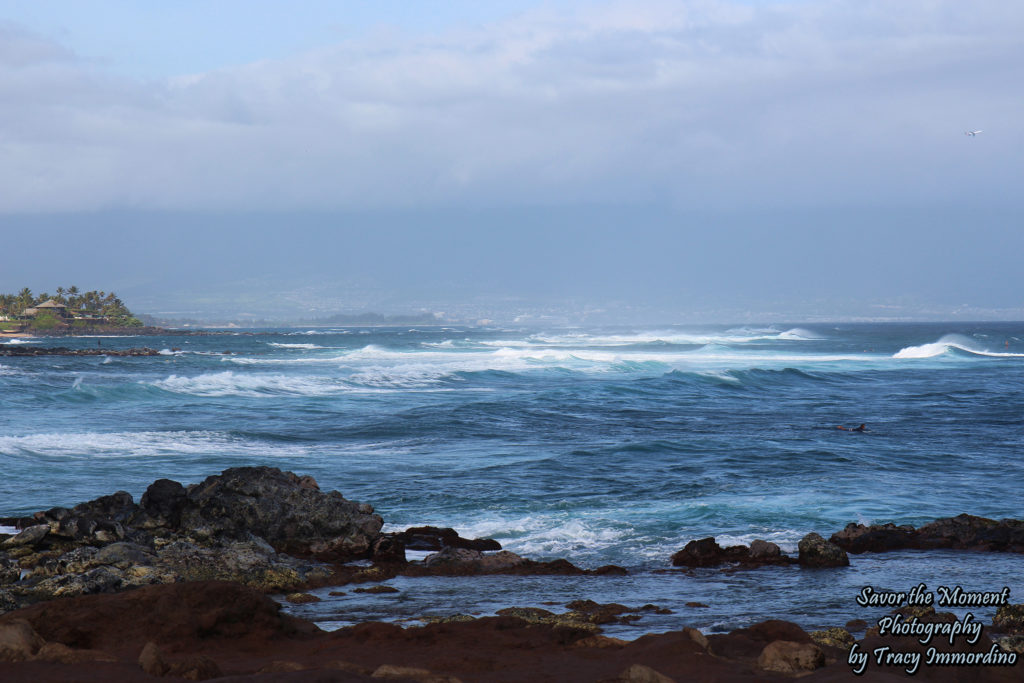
972,133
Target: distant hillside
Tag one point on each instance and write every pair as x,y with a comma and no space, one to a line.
338,319
377,319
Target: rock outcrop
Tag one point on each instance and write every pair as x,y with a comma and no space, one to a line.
963,532
64,351
287,511
202,630
259,526
435,538
816,552
267,529
706,552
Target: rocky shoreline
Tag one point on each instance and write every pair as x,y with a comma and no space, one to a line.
176,585
24,351
110,330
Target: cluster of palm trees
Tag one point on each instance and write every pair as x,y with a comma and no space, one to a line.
79,304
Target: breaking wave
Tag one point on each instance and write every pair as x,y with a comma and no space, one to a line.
232,384
799,334
548,536
671,338
949,343
131,444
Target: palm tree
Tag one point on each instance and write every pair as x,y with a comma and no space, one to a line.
24,299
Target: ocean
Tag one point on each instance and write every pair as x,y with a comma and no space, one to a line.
599,445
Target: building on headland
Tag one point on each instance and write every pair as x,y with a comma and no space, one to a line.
51,305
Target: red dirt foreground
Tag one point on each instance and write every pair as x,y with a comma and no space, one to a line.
227,632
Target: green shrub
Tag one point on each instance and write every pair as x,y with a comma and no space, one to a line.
43,321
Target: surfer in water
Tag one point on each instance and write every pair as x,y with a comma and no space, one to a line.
863,428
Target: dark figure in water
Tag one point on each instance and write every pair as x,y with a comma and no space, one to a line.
863,428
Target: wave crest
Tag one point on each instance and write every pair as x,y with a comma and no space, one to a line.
799,334
948,343
85,445
231,384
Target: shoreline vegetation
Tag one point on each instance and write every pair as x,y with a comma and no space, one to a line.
71,312
180,585
68,312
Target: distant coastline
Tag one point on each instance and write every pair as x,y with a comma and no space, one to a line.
363,319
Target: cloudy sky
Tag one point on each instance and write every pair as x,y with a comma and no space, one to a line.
697,159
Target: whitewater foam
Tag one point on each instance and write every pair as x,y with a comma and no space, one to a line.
229,383
295,346
799,334
786,539
375,365
948,343
549,536
580,339
86,445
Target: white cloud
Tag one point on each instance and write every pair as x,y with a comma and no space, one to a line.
703,102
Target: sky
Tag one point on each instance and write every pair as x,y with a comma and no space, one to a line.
687,161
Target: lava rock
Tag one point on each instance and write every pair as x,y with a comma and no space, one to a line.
815,551
436,538
1009,619
791,658
706,552
293,516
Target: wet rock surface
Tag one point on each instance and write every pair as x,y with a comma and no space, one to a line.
816,552
963,532
436,538
259,526
224,631
706,552
174,586
10,351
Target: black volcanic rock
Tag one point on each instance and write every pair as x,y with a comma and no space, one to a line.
288,511
163,502
435,538
706,552
857,538
20,351
973,533
235,526
963,532
816,552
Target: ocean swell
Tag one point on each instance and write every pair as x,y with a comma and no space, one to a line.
950,343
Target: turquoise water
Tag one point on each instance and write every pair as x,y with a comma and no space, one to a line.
598,445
